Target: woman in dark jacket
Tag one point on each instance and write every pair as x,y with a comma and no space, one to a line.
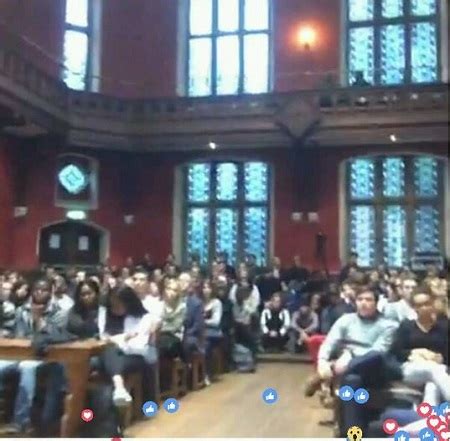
83,317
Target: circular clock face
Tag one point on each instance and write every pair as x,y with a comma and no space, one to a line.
73,179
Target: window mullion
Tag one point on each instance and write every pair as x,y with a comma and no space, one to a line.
241,31
410,205
215,26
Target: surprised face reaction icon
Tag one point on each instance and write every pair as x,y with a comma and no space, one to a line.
354,433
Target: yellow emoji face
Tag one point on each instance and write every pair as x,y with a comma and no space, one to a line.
354,433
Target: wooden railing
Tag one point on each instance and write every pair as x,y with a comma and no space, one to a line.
22,81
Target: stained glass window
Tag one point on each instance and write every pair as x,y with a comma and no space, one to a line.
227,210
200,67
228,15
361,10
76,44
256,181
362,234
392,54
423,7
229,47
393,41
227,65
424,52
227,181
426,176
200,16
197,240
426,229
361,49
393,177
394,208
392,8
198,182
255,234
362,178
394,236
226,232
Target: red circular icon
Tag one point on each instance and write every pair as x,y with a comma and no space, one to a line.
390,426
87,415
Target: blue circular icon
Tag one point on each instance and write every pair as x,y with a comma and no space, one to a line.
149,408
171,405
401,435
426,434
361,396
270,396
346,393
444,409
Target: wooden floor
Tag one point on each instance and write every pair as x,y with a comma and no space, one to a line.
233,407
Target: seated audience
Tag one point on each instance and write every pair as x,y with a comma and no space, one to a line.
275,322
305,323
350,268
213,318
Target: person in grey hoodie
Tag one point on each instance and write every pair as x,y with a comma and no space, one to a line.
355,351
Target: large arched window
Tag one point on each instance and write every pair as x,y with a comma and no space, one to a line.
226,209
393,41
229,45
395,209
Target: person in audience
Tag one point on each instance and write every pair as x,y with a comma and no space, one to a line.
194,326
252,267
213,318
245,309
126,324
305,323
352,266
60,296
172,325
227,321
20,293
402,309
271,282
223,266
275,321
7,311
354,350
147,263
337,306
83,316
421,345
297,273
347,295
37,317
148,294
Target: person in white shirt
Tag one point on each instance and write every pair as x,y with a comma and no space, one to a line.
59,293
275,323
148,293
402,309
125,322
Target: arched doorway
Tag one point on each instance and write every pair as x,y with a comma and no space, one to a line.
72,243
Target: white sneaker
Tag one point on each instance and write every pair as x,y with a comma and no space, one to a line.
207,381
121,397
